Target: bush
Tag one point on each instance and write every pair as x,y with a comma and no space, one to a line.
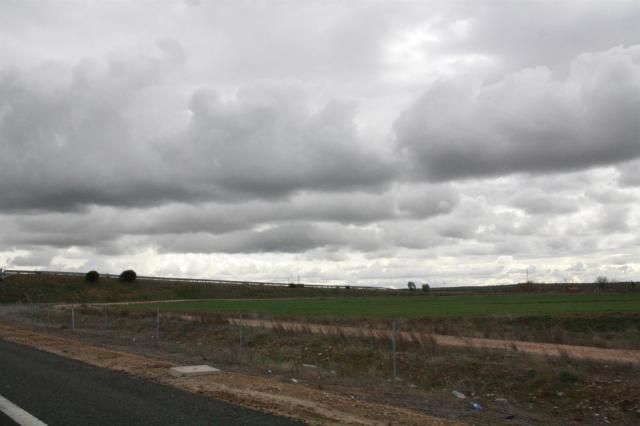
128,276
92,276
426,287
411,285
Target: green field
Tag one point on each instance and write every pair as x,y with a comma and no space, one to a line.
413,307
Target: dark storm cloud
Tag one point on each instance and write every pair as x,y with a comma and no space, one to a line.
530,121
266,143
75,144
286,238
68,143
99,225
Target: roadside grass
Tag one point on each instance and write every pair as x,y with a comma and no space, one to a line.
413,307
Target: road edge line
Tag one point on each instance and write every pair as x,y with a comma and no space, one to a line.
17,414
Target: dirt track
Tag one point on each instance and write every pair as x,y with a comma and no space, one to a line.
546,349
314,406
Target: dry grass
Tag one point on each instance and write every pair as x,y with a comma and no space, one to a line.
537,390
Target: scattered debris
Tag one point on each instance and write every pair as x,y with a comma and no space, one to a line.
458,394
476,406
510,417
309,366
294,380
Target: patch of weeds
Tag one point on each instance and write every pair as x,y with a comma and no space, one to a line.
567,377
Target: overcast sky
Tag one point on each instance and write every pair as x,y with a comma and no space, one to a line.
360,142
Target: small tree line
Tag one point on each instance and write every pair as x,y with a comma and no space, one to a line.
126,276
412,286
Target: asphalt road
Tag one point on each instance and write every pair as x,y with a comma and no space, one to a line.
59,391
6,421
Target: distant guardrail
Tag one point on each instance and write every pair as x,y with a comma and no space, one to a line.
203,281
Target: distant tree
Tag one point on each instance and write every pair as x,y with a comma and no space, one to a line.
411,285
426,287
292,285
602,282
128,276
92,276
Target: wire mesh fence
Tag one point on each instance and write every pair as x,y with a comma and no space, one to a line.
229,342
397,352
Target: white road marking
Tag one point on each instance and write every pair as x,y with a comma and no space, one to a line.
17,414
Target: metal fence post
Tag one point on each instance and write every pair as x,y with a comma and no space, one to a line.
157,324
393,343
241,341
73,318
105,317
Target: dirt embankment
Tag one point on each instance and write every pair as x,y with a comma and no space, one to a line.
314,406
546,349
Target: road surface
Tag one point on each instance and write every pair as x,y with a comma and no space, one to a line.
59,391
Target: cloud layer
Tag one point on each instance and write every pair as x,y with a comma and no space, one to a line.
529,121
371,142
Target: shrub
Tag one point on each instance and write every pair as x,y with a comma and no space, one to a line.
128,276
411,285
292,285
426,287
92,276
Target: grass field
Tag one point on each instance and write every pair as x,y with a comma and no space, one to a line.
414,307
53,288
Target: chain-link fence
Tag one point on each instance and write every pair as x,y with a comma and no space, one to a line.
233,342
